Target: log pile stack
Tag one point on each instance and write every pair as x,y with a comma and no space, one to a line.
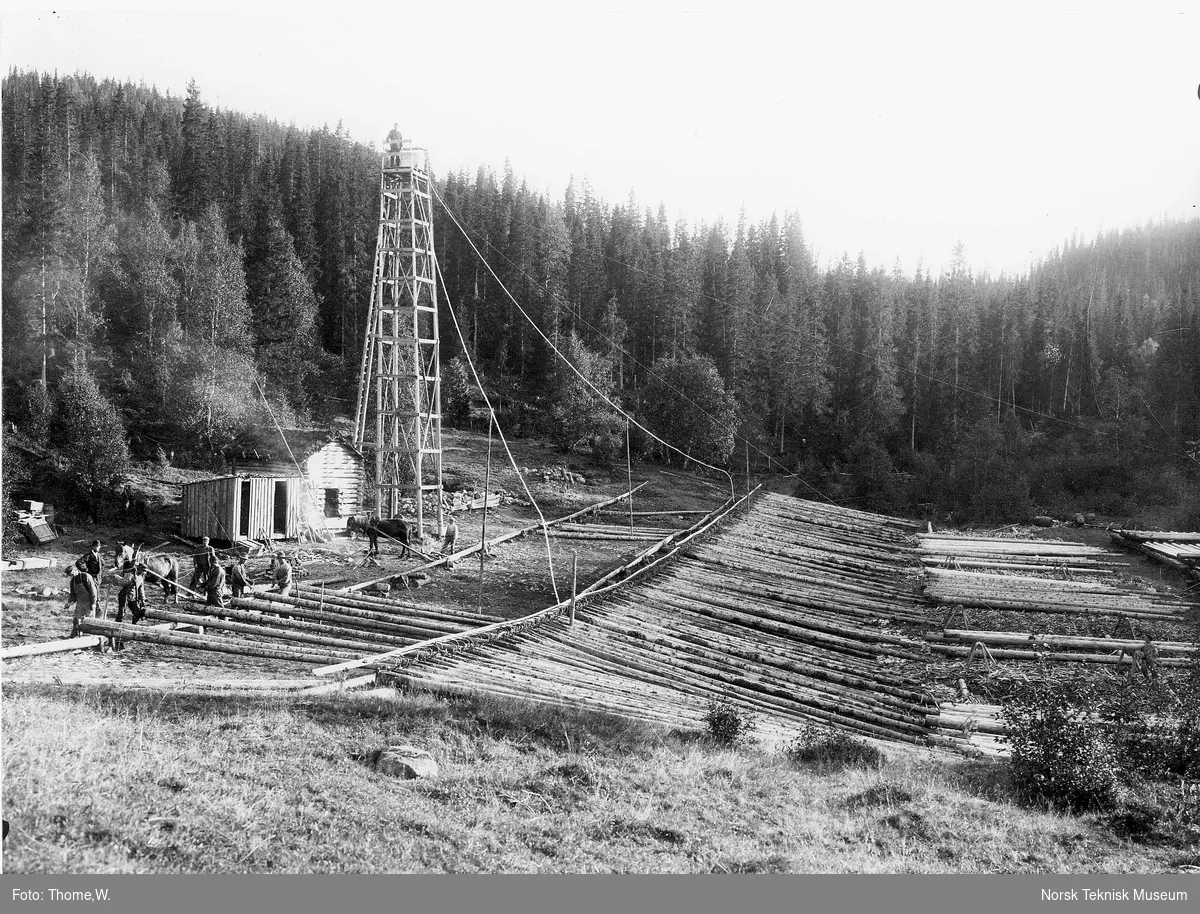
310,626
971,728
1049,646
785,613
992,553
1180,551
1047,595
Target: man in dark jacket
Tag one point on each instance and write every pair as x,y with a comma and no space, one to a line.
201,564
214,585
84,594
91,563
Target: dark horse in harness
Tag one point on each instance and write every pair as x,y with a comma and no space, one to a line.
395,529
163,569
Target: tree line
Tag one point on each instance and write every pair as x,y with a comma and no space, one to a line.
201,266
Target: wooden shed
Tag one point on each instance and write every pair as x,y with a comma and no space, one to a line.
332,469
244,507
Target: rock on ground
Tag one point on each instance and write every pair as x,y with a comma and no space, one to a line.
406,762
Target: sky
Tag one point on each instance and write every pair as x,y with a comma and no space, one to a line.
891,135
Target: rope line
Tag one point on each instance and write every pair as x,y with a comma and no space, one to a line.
603,396
499,431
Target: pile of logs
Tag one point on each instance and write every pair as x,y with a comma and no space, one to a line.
975,729
311,625
1180,551
1045,646
1013,592
989,553
783,613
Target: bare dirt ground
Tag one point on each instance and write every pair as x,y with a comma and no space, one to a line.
517,579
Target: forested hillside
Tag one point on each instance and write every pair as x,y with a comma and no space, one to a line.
190,261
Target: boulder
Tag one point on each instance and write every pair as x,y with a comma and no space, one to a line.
406,762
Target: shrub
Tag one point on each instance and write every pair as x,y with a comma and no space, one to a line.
1153,730
728,725
1060,754
832,749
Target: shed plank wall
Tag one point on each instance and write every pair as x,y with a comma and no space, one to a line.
213,508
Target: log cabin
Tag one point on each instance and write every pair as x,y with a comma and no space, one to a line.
332,470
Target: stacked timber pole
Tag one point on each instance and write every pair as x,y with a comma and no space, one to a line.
1050,577
1180,551
309,626
1013,592
780,613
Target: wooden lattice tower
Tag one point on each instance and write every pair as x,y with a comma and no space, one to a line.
400,365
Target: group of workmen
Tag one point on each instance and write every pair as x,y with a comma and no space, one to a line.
84,590
209,577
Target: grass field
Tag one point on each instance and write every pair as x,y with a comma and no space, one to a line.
112,781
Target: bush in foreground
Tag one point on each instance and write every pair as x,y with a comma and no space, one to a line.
833,749
1060,754
728,725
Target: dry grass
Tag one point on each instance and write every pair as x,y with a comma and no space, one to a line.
107,780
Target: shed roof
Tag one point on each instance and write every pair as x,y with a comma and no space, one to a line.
303,442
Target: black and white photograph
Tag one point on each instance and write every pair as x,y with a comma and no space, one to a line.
533,439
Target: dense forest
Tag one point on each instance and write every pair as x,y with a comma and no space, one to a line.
171,268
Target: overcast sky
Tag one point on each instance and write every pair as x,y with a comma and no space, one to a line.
893,135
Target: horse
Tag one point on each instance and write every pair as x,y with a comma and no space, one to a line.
396,529
160,568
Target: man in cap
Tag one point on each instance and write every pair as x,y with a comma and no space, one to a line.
201,563
84,594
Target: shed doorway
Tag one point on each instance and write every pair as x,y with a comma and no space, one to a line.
281,508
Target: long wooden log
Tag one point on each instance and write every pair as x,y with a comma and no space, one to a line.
657,513
345,618
244,685
49,647
1148,536
1054,641
270,619
1010,654
405,617
126,632
393,605
265,632
606,537
1039,606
